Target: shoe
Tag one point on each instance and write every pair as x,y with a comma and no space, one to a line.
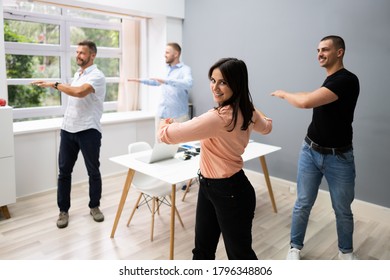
97,214
347,256
294,254
63,220
184,187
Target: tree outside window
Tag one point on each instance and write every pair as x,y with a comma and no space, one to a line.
36,48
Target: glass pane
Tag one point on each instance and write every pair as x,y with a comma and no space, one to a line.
30,6
83,15
24,96
101,37
112,92
109,66
31,32
32,66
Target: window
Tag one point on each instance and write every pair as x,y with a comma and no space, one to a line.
41,42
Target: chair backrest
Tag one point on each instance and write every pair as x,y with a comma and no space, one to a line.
140,180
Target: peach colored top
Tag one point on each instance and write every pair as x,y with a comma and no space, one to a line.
221,150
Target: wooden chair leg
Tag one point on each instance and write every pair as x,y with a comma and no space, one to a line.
135,208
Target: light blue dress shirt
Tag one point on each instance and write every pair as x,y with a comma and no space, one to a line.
174,99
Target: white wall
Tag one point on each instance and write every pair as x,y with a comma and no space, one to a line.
156,37
174,30
161,30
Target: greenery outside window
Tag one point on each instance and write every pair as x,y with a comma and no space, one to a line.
41,42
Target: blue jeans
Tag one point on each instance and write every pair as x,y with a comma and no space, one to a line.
89,142
225,206
339,172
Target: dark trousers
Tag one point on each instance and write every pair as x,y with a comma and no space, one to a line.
225,206
89,142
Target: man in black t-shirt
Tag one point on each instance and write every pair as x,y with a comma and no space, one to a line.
327,149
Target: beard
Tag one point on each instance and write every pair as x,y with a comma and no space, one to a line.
169,60
81,62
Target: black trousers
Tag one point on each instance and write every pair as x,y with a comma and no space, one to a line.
225,206
88,142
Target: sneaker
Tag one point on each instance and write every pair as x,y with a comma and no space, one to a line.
97,214
347,256
294,254
63,220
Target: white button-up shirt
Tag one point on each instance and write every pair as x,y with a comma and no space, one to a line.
85,113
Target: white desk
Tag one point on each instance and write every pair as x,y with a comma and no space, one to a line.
175,171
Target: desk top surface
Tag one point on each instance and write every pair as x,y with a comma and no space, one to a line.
177,170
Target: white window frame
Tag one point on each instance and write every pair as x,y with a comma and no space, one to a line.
64,51
103,52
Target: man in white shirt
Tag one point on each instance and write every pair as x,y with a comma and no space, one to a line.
81,130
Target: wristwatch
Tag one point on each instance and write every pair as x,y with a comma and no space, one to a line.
56,85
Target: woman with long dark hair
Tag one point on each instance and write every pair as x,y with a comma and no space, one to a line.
226,199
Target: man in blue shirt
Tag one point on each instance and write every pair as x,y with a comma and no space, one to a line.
174,87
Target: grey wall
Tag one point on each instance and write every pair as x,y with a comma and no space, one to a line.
278,41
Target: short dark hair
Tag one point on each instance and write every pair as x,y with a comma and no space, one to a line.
91,45
175,46
338,42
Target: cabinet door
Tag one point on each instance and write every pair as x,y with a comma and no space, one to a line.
7,181
6,132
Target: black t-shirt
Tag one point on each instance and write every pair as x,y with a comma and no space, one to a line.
331,124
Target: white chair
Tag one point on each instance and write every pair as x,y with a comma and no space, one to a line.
151,189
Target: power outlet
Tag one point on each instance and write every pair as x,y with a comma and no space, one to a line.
292,189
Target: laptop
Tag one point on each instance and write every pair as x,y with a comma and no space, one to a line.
160,151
